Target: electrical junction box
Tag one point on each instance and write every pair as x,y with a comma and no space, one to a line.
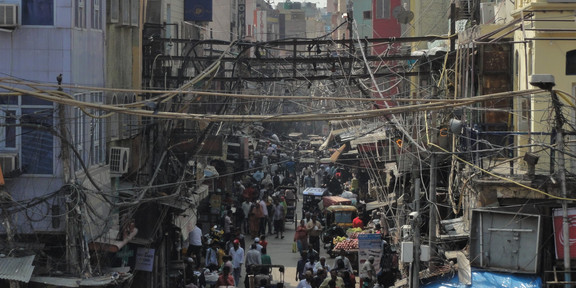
407,252
424,253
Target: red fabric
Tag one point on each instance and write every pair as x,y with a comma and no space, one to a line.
225,281
357,223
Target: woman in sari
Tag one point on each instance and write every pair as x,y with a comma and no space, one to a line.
301,236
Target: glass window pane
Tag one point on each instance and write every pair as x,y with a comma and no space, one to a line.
37,141
37,12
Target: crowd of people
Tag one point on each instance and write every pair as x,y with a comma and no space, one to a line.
256,207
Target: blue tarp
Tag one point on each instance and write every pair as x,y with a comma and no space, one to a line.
486,279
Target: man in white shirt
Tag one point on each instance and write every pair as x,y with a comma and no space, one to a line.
253,257
263,220
237,254
195,245
321,265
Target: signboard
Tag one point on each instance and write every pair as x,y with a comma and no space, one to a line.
369,245
144,259
241,19
559,235
197,10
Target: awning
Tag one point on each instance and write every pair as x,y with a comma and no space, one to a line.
109,243
80,282
17,268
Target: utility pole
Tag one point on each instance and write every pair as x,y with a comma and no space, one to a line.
562,175
415,267
546,82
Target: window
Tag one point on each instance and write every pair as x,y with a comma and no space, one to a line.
113,11
125,10
367,15
80,14
96,15
79,136
97,152
114,119
38,12
382,9
8,129
37,141
134,12
571,62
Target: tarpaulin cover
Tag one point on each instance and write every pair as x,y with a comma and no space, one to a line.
482,279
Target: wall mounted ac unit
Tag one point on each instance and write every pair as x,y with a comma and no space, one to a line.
119,160
488,13
8,15
8,162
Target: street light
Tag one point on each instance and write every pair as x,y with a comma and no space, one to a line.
546,82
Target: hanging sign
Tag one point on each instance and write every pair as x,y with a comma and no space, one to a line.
144,259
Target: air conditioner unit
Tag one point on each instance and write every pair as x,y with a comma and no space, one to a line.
488,13
8,162
8,15
119,160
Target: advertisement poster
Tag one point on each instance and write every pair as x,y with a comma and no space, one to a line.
369,245
559,235
144,259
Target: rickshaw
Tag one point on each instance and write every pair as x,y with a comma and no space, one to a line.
338,219
311,197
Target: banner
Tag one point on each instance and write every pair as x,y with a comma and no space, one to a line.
559,235
369,245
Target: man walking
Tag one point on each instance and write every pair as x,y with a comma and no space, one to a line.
314,230
237,254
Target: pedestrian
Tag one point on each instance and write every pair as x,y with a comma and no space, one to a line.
255,215
309,181
301,236
270,208
263,241
225,279
227,225
300,265
279,219
237,254
195,245
258,246
212,257
246,209
368,273
333,276
306,282
264,218
266,260
253,257
357,222
319,278
345,262
314,230
321,265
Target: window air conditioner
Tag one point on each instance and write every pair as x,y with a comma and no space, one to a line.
8,15
119,160
8,162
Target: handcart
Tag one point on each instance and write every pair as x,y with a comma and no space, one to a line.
269,276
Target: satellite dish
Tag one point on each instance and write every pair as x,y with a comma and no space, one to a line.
405,17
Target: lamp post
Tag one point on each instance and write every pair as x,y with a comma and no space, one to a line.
546,82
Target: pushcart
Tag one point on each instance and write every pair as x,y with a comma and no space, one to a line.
269,276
